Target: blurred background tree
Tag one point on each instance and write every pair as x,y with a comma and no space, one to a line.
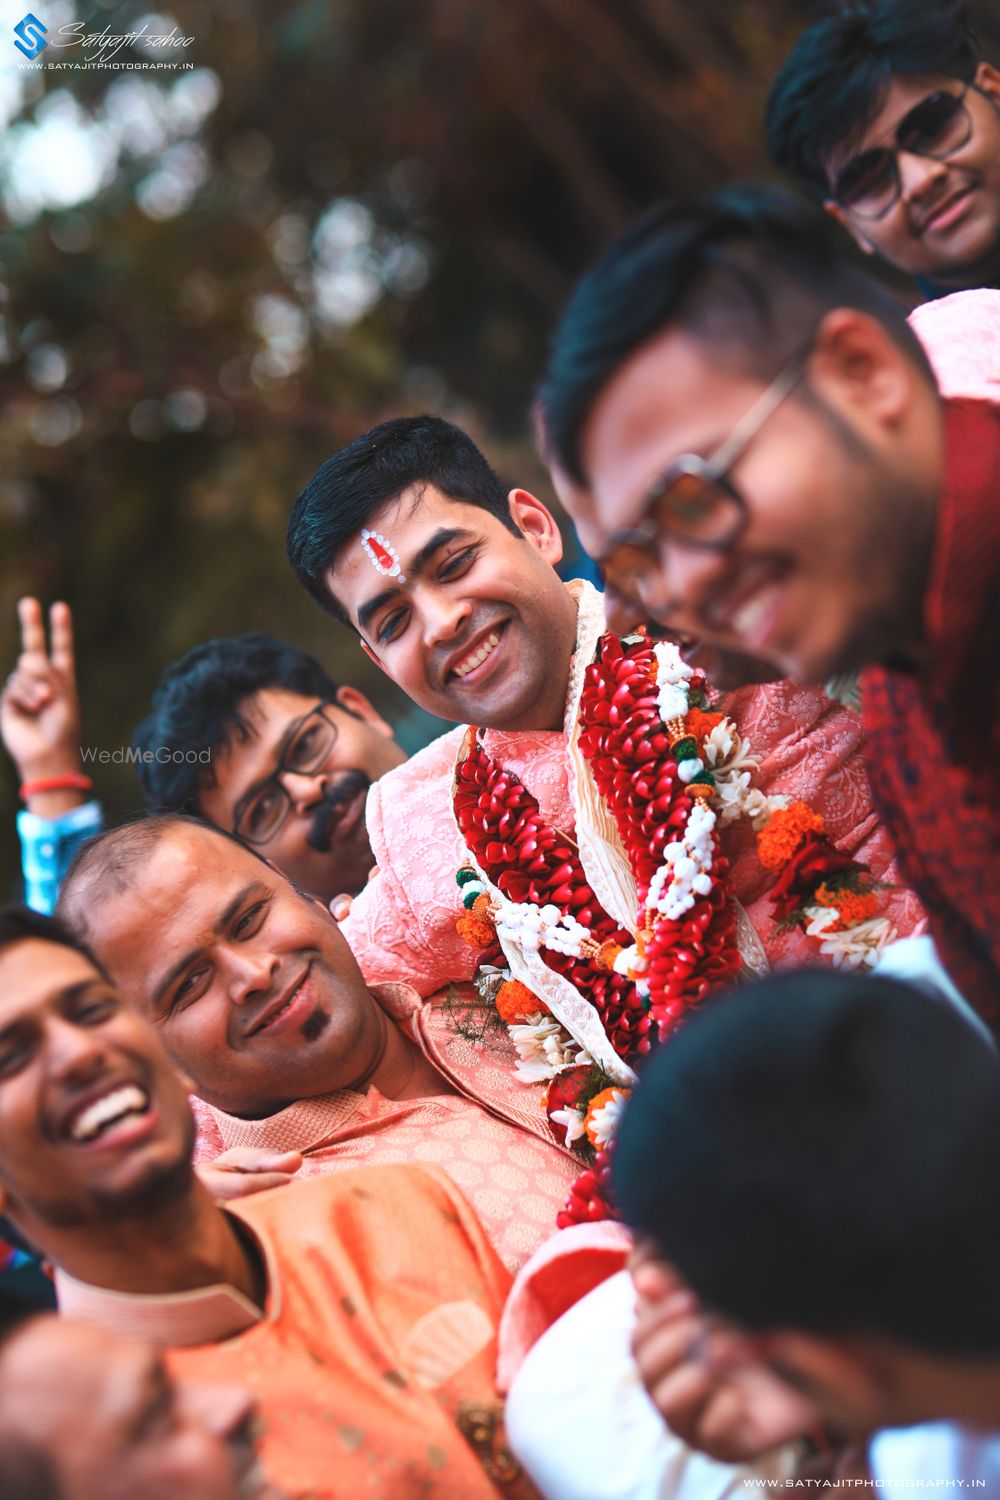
212,277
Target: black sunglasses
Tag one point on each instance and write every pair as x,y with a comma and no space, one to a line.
869,184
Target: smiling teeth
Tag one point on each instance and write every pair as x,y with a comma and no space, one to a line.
279,1013
478,657
750,615
128,1100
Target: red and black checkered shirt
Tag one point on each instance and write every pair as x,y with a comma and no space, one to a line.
934,737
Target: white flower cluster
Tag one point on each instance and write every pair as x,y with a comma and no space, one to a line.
857,947
605,1121
544,1048
672,677
535,927
686,865
731,761
572,1119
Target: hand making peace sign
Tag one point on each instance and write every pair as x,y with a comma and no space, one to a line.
39,707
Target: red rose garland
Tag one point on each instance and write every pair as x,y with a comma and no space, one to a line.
633,760
527,860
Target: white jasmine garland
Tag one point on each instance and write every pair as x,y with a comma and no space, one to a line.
631,963
687,866
672,678
535,927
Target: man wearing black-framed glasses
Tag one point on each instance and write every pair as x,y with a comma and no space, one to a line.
292,756
884,112
759,456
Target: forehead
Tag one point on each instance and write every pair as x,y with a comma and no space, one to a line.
178,890
33,972
406,524
271,709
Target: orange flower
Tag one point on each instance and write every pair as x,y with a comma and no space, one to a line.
701,724
784,832
852,906
515,1002
477,933
598,1130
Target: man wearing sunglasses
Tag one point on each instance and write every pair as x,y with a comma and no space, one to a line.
883,112
760,457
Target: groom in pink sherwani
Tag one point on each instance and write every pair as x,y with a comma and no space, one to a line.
408,537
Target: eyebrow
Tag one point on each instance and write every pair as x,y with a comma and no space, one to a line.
290,731
63,997
189,958
414,569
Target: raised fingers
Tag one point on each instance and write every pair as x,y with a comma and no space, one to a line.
61,636
29,613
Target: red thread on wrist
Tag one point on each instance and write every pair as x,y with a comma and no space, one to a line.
71,781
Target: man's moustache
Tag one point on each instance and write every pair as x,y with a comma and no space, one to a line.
326,817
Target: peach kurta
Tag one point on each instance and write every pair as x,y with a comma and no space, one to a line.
491,1137
373,1361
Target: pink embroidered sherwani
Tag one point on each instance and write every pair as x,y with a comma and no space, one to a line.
402,925
491,1137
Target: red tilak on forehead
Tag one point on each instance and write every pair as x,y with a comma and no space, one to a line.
381,554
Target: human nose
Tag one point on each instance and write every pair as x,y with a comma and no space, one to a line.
670,591
303,788
248,970
444,614
918,175
74,1052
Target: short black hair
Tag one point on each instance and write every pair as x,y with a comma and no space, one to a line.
822,1151
835,80
750,270
378,467
195,710
19,922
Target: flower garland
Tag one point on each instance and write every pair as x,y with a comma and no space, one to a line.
670,770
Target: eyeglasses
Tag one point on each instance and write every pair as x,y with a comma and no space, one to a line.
938,126
695,503
265,814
